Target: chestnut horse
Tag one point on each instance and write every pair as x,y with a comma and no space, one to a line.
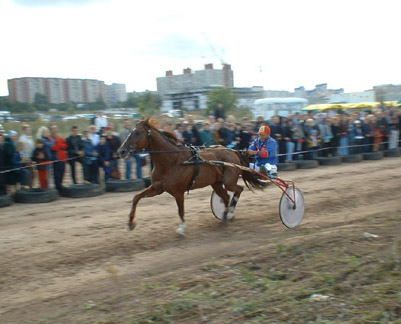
174,177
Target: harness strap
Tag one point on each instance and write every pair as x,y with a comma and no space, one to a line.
196,160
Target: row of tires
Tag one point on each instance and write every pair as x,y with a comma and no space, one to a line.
336,160
37,195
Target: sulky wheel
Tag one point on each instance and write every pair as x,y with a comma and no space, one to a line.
289,215
217,205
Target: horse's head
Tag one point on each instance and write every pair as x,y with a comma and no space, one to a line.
138,139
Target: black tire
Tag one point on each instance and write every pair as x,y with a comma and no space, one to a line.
35,195
5,200
82,190
332,160
286,166
392,153
306,164
148,181
373,155
125,185
352,158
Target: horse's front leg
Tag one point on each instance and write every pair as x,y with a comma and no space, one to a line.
179,199
148,192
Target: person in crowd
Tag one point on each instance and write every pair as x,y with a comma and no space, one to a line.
104,156
206,136
100,121
124,132
194,129
260,121
288,134
230,139
383,129
44,135
285,138
223,132
29,146
211,119
41,157
335,130
216,135
264,149
357,137
313,143
75,153
91,158
370,122
343,133
19,162
9,145
179,132
59,156
219,112
3,187
298,135
245,136
394,128
93,135
112,128
188,135
114,144
325,135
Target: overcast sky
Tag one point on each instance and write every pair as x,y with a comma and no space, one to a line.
278,44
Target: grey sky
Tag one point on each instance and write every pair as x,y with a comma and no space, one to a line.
55,3
350,44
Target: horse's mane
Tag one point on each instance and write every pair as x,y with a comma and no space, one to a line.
170,136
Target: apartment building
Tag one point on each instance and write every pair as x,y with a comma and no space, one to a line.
56,90
195,80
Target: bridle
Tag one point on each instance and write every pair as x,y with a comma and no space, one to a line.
133,150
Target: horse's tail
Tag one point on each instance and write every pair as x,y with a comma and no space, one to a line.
252,180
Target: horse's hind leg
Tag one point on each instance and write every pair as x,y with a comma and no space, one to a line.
222,193
148,192
237,189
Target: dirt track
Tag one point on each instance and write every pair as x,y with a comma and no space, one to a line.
58,257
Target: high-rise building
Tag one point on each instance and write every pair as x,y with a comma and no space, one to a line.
56,90
115,93
388,92
190,81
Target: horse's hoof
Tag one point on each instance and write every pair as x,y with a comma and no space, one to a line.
131,227
181,229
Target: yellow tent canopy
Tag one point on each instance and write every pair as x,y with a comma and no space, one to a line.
355,105
319,107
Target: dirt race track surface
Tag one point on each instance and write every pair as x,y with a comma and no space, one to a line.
73,260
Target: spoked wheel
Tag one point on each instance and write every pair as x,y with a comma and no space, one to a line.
218,207
292,215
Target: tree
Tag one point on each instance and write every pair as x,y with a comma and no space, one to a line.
149,103
221,95
40,99
132,101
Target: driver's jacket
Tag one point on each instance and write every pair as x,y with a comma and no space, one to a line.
267,151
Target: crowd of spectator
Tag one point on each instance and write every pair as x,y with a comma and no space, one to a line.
300,136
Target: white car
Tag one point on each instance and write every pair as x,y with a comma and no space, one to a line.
70,118
175,113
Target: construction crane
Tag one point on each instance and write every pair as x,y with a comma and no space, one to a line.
220,57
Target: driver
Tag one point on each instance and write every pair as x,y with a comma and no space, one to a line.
265,150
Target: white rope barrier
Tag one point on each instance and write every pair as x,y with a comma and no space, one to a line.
283,154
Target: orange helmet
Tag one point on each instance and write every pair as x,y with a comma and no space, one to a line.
264,130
